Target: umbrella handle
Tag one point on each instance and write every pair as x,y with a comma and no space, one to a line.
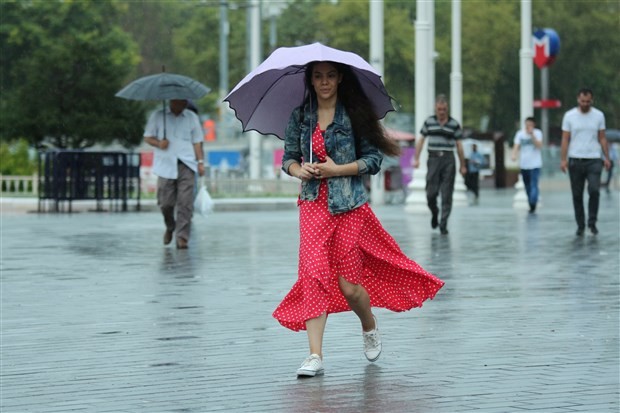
163,102
311,130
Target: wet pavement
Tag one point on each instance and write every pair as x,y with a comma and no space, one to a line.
98,316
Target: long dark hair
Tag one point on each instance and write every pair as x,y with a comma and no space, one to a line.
359,109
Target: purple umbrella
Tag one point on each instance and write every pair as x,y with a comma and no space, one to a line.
264,99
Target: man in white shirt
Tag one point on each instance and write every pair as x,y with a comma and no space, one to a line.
583,138
529,141
178,156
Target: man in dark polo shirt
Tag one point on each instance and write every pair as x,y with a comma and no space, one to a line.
444,134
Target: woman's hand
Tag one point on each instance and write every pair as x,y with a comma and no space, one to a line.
306,171
326,169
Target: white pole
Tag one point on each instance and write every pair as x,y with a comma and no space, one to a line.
377,182
432,51
224,32
459,196
416,200
456,76
423,104
526,76
255,138
526,63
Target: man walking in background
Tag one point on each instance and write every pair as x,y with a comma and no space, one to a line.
444,134
475,162
583,138
529,141
178,157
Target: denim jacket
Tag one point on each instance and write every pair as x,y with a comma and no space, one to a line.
345,193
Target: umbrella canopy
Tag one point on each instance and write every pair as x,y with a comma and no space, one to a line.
264,99
163,86
613,135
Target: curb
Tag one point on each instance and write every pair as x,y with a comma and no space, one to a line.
31,205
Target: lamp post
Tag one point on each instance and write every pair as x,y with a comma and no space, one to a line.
526,73
526,76
377,182
254,61
416,200
459,196
224,32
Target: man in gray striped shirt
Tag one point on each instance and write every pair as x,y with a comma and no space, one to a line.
444,134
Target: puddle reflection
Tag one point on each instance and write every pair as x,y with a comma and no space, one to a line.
370,393
177,264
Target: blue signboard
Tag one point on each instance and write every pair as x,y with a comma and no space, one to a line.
224,159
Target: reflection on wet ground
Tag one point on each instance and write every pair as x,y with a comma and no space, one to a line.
97,315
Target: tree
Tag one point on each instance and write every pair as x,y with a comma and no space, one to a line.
63,62
15,159
490,43
340,26
589,54
198,54
152,26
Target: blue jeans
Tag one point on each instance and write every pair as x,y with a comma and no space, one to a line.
530,180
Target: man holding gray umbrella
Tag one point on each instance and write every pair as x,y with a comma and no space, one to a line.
176,135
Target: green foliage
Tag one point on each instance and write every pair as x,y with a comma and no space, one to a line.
589,53
152,25
339,25
15,158
64,63
197,47
490,40
297,25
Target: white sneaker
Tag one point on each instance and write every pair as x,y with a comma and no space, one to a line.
312,366
372,343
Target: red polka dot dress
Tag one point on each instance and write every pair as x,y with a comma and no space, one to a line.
355,246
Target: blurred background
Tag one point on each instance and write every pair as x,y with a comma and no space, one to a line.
63,61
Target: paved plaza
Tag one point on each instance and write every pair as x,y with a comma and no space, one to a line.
98,316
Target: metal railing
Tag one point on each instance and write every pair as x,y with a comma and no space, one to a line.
27,185
252,187
71,175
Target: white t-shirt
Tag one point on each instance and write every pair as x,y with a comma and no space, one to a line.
182,132
531,156
583,129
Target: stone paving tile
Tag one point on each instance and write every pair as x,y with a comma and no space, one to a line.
98,316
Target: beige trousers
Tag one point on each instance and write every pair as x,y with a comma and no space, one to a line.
177,194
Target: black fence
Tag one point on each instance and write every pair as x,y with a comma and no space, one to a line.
66,176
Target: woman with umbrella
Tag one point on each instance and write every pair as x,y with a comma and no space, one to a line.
347,261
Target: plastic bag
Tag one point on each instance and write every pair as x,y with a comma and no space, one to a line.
203,204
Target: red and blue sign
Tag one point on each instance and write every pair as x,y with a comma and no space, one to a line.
546,47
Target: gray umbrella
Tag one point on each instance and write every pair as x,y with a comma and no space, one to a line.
163,86
613,135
